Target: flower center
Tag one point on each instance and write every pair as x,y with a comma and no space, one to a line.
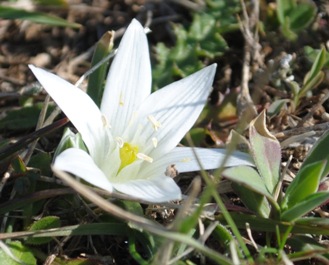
128,154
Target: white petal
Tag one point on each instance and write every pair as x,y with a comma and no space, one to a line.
82,165
185,161
130,172
173,109
110,163
156,190
78,106
129,79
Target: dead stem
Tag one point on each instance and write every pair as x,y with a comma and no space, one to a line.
245,104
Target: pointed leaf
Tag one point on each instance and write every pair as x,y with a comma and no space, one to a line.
47,222
249,178
305,183
312,83
254,201
266,151
38,17
277,106
319,152
314,73
308,204
70,140
96,79
17,252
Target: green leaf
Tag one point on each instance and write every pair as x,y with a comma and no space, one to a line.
20,252
134,246
305,245
132,207
7,152
37,17
201,40
312,83
254,201
307,225
304,184
294,17
22,119
318,153
18,165
223,235
308,204
283,8
312,55
42,162
277,106
286,30
197,135
314,76
266,152
70,140
47,222
96,79
317,65
295,89
248,178
302,16
57,3
117,229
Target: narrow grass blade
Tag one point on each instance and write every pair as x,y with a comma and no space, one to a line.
37,17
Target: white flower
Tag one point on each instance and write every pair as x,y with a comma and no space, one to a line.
132,138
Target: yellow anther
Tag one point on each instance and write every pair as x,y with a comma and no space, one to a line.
145,157
155,142
120,141
156,124
105,122
121,103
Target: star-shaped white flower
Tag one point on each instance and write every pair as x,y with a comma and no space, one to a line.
132,137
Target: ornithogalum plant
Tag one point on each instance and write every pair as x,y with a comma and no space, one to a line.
132,137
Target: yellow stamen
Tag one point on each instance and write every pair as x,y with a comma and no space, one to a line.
155,142
145,157
105,122
156,124
128,154
121,103
120,141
